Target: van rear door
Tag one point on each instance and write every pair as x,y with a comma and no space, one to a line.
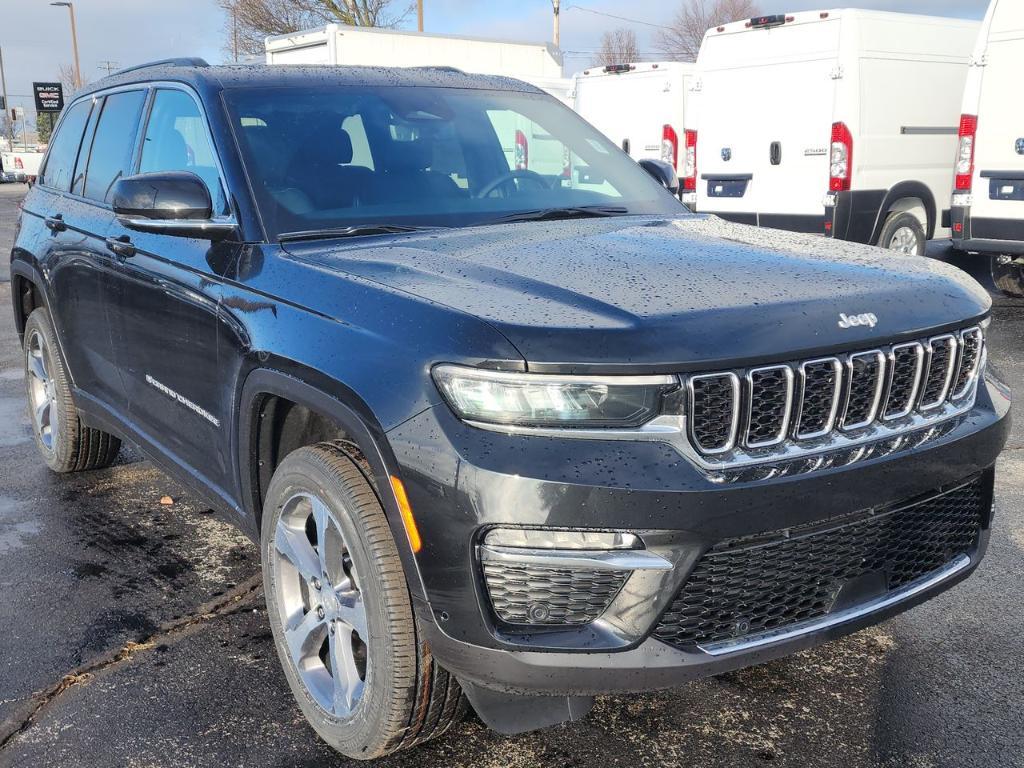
765,120
997,212
632,108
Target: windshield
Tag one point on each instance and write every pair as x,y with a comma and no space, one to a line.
338,157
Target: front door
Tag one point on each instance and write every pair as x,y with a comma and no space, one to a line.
167,321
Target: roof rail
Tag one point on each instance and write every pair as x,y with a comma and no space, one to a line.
187,61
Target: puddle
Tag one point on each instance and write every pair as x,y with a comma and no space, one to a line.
15,530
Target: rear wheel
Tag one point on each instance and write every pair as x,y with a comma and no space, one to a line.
341,613
904,234
66,444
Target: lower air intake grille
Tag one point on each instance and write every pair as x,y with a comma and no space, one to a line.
743,587
526,594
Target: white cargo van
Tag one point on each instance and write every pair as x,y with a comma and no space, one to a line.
840,122
988,201
641,107
526,145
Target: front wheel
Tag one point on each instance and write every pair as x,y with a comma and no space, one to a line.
341,613
904,234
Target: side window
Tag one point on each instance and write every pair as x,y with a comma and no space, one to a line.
111,155
177,139
60,164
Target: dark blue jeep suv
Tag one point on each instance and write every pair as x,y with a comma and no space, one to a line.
510,426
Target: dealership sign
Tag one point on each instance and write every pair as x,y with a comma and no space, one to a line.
49,97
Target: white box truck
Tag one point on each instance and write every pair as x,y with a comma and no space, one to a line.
840,122
988,201
526,145
642,107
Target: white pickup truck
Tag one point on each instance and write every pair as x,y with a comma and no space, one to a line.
20,166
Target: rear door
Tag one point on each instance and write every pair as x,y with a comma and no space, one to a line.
997,212
764,127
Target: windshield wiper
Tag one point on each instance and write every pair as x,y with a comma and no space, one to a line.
554,214
356,230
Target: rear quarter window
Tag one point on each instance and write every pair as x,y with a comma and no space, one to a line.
60,163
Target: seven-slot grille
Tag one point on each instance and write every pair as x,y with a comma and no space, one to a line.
846,393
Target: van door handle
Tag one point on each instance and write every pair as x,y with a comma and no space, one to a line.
121,246
776,153
55,223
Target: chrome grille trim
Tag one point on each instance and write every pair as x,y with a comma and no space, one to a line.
918,350
972,342
834,411
934,344
876,396
730,443
780,435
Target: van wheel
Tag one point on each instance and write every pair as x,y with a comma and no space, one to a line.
341,614
66,444
1008,275
903,233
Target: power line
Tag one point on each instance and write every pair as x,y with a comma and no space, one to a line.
110,66
613,16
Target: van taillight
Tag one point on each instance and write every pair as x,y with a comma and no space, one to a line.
670,146
522,152
841,158
690,162
18,163
965,152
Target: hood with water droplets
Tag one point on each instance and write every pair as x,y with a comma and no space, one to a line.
691,293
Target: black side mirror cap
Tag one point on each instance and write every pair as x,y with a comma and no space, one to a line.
167,202
663,173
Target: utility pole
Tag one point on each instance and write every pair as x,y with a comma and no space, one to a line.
556,6
234,32
7,104
74,41
419,15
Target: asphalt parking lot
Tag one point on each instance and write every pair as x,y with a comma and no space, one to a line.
133,633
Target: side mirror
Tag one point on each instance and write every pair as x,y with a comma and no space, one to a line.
167,203
663,173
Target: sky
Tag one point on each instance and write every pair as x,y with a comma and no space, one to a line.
35,37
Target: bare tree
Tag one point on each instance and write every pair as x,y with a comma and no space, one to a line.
618,46
681,39
250,21
66,75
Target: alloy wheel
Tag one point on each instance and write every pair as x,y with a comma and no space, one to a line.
321,606
42,391
904,240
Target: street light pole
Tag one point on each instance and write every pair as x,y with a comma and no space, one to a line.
556,6
74,41
419,15
7,104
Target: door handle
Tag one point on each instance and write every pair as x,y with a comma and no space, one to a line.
775,154
121,246
55,223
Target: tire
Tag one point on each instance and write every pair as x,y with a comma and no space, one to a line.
903,233
1008,275
66,444
398,696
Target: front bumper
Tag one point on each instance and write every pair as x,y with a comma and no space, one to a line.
462,481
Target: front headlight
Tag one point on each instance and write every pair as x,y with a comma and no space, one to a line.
542,400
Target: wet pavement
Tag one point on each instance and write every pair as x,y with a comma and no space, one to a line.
132,633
